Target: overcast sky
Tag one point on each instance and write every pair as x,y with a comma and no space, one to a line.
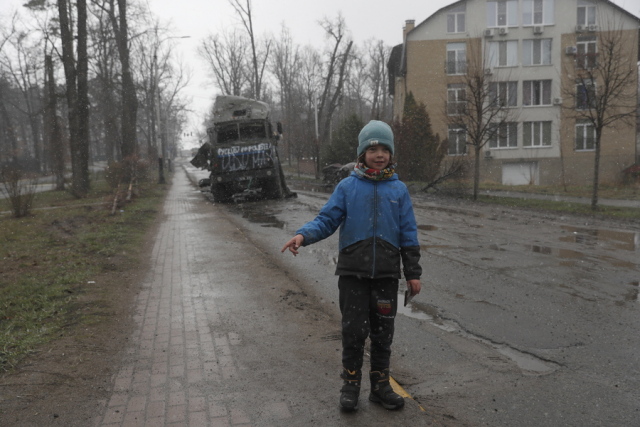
364,19
379,19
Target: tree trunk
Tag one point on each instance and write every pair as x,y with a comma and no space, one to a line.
9,129
82,156
476,172
56,148
79,167
596,172
129,98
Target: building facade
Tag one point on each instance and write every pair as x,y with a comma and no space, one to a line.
534,55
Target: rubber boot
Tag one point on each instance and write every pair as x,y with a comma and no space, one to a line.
350,390
382,392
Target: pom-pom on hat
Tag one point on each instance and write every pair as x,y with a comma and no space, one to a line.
375,132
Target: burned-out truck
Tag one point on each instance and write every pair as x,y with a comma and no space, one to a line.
241,153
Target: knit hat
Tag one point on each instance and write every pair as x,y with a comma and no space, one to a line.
374,133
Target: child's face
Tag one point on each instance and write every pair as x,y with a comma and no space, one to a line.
377,157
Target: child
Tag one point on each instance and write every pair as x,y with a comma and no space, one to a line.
377,230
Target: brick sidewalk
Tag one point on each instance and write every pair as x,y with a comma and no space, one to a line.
177,360
220,342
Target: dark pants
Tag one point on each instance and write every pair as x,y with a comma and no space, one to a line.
368,309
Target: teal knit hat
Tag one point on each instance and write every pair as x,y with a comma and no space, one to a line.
375,132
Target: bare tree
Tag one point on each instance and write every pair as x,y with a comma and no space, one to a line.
52,125
378,55
7,129
76,89
479,111
605,91
285,65
105,69
120,25
334,76
226,55
22,61
258,60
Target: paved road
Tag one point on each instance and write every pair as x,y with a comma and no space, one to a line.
225,337
526,318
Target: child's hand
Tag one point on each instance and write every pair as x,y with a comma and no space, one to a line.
414,286
294,244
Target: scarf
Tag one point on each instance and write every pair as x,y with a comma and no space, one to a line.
373,174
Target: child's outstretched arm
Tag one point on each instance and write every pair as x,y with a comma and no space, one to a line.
293,244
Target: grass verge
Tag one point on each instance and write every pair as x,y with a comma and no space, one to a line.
50,259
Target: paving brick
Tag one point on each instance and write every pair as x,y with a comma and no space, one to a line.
197,418
134,419
219,422
114,415
176,413
155,409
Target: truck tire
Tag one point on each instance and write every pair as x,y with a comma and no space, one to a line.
272,188
221,193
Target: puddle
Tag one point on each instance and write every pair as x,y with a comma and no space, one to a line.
557,252
634,294
410,310
626,240
569,254
524,361
427,227
255,213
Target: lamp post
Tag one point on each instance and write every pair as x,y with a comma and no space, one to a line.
157,116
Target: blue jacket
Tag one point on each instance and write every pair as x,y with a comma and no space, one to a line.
377,228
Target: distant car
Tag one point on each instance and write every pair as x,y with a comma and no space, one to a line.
335,172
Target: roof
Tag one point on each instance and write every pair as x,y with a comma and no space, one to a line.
229,108
457,3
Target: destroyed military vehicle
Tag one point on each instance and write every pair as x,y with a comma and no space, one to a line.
241,153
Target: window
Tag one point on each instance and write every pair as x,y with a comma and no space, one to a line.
587,55
585,136
536,134
503,94
536,92
504,135
585,94
456,58
456,20
456,99
503,53
502,13
457,141
252,130
227,133
586,13
536,52
537,12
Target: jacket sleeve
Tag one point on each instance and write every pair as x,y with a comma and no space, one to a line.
411,262
409,244
328,220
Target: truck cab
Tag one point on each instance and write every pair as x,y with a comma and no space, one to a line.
242,151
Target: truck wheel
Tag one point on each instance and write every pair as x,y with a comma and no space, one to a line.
272,188
221,193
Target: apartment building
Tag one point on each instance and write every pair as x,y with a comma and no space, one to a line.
533,53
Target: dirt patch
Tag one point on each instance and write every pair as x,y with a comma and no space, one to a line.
67,382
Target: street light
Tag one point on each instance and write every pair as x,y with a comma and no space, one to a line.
163,143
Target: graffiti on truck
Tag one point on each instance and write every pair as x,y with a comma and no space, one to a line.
243,158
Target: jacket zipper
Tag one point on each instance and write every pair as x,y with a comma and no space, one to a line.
375,227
